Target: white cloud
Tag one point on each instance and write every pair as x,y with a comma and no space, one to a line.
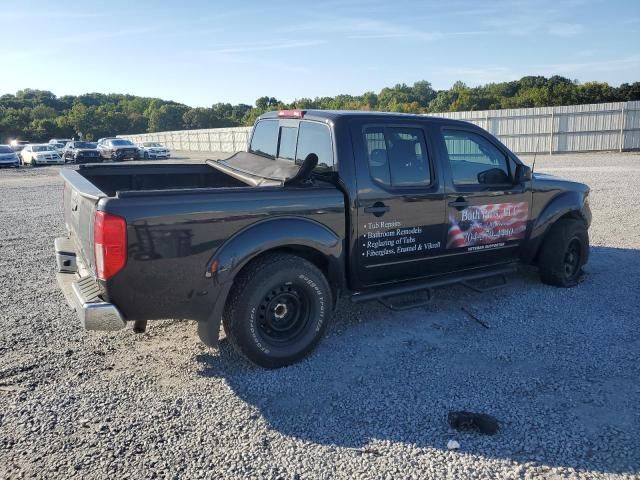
367,28
565,29
259,48
611,65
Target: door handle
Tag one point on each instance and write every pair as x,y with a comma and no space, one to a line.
459,204
378,209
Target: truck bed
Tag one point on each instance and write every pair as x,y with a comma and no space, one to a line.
111,179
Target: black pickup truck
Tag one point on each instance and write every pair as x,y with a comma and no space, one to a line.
324,204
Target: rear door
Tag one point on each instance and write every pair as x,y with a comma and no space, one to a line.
400,203
487,212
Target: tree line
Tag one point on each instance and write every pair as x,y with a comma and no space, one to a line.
38,115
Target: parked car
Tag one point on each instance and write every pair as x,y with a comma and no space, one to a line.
18,145
153,150
59,147
80,152
372,206
40,154
63,141
8,158
117,149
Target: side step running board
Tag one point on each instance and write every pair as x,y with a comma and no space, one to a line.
384,295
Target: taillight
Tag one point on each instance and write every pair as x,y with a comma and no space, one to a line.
110,244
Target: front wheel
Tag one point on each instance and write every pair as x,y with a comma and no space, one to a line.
564,252
278,310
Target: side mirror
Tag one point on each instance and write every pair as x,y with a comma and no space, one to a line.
523,173
493,176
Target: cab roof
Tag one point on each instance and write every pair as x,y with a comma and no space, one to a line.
333,115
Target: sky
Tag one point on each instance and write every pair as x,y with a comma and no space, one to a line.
200,52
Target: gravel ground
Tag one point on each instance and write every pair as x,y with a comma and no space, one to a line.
558,368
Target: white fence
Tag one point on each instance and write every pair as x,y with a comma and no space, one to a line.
205,140
574,128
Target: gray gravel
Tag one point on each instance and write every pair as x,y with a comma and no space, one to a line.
558,368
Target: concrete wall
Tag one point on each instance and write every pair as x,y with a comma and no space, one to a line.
575,128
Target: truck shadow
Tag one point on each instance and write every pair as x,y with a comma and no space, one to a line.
555,366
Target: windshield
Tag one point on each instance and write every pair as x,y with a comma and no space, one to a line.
5,149
84,145
121,142
43,148
57,145
151,144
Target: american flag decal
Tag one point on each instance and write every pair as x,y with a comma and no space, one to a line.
487,224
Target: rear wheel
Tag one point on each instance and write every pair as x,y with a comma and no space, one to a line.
564,252
278,310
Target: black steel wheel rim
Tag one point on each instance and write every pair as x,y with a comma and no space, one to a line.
283,315
572,258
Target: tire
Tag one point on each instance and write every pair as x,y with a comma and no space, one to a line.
278,310
563,254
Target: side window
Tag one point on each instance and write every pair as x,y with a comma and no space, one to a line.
377,154
315,138
475,160
397,156
265,138
287,145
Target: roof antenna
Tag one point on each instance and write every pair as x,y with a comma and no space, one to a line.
535,154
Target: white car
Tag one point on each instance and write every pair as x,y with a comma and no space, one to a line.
59,147
63,141
8,158
153,150
40,154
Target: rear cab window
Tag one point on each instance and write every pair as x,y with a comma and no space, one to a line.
265,138
315,138
294,140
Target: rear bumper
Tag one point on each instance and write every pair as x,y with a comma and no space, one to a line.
87,158
82,292
49,161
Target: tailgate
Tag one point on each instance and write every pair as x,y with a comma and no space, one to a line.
80,201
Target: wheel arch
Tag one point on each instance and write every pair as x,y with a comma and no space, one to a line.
305,238
567,205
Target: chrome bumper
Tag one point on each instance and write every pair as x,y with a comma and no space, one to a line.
82,292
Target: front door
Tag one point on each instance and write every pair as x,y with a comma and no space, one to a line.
487,212
400,204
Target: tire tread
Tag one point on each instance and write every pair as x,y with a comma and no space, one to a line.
552,251
229,317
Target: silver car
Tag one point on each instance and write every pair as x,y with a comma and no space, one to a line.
8,158
154,150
